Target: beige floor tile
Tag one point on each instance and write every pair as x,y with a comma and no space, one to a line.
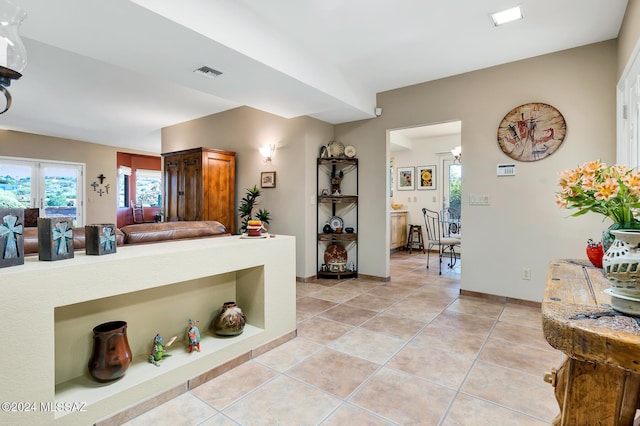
217,420
457,320
522,315
476,306
440,366
367,345
358,284
394,325
283,401
390,292
348,314
469,411
418,310
513,389
348,414
403,398
311,305
464,342
337,294
322,330
228,387
301,316
185,409
519,357
334,372
373,303
524,335
306,289
289,354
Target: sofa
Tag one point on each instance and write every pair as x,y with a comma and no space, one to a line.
139,233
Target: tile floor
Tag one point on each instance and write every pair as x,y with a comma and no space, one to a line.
407,352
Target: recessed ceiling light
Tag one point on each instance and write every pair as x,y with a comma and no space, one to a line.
506,16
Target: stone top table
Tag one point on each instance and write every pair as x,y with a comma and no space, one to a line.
599,382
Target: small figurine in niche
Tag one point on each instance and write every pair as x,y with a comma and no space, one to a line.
193,336
335,183
159,349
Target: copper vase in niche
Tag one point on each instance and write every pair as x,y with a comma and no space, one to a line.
111,354
230,321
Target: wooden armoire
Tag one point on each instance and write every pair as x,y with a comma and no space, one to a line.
199,184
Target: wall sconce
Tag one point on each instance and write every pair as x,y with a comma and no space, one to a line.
13,55
267,152
457,155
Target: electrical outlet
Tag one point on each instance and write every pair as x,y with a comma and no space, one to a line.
526,273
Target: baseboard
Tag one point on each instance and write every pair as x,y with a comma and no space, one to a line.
361,276
501,299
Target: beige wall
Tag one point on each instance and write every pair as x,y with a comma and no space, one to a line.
522,227
629,34
99,159
244,130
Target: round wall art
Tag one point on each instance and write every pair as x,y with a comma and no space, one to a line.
531,132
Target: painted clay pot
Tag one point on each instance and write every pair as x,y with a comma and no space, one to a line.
230,321
111,354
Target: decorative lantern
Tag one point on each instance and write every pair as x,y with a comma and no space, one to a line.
13,55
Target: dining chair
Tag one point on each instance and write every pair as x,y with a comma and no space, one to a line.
451,222
436,238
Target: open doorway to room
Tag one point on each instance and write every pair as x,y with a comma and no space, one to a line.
424,173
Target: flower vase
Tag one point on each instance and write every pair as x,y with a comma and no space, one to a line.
230,321
608,237
621,264
111,353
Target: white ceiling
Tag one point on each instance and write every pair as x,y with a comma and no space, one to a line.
115,72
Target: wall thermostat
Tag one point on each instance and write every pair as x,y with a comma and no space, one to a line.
506,170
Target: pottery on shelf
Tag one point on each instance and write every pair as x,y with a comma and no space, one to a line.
230,321
621,264
111,355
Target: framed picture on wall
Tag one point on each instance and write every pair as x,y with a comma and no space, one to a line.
426,176
268,180
405,179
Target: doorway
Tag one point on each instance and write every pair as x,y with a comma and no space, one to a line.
412,150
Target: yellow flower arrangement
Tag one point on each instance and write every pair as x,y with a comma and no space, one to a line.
612,191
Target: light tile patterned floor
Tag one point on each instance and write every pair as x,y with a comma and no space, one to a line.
407,352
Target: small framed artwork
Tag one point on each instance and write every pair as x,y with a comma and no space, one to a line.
426,176
405,179
268,180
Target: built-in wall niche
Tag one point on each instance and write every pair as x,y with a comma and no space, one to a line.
165,310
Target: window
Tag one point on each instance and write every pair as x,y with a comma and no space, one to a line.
56,188
628,113
124,193
148,188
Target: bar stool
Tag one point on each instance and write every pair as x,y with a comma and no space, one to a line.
414,238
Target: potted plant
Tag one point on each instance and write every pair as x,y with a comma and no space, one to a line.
247,204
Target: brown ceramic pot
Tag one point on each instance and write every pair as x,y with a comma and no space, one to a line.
230,321
111,354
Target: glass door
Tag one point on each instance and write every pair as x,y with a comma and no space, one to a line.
452,185
61,193
56,189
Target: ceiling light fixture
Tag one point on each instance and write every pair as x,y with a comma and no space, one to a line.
13,55
506,16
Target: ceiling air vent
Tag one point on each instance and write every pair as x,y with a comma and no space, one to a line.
207,72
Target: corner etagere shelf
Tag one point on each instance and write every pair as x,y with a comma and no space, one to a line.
343,204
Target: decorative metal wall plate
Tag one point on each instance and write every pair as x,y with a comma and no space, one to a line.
531,132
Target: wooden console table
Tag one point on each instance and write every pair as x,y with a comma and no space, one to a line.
599,382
